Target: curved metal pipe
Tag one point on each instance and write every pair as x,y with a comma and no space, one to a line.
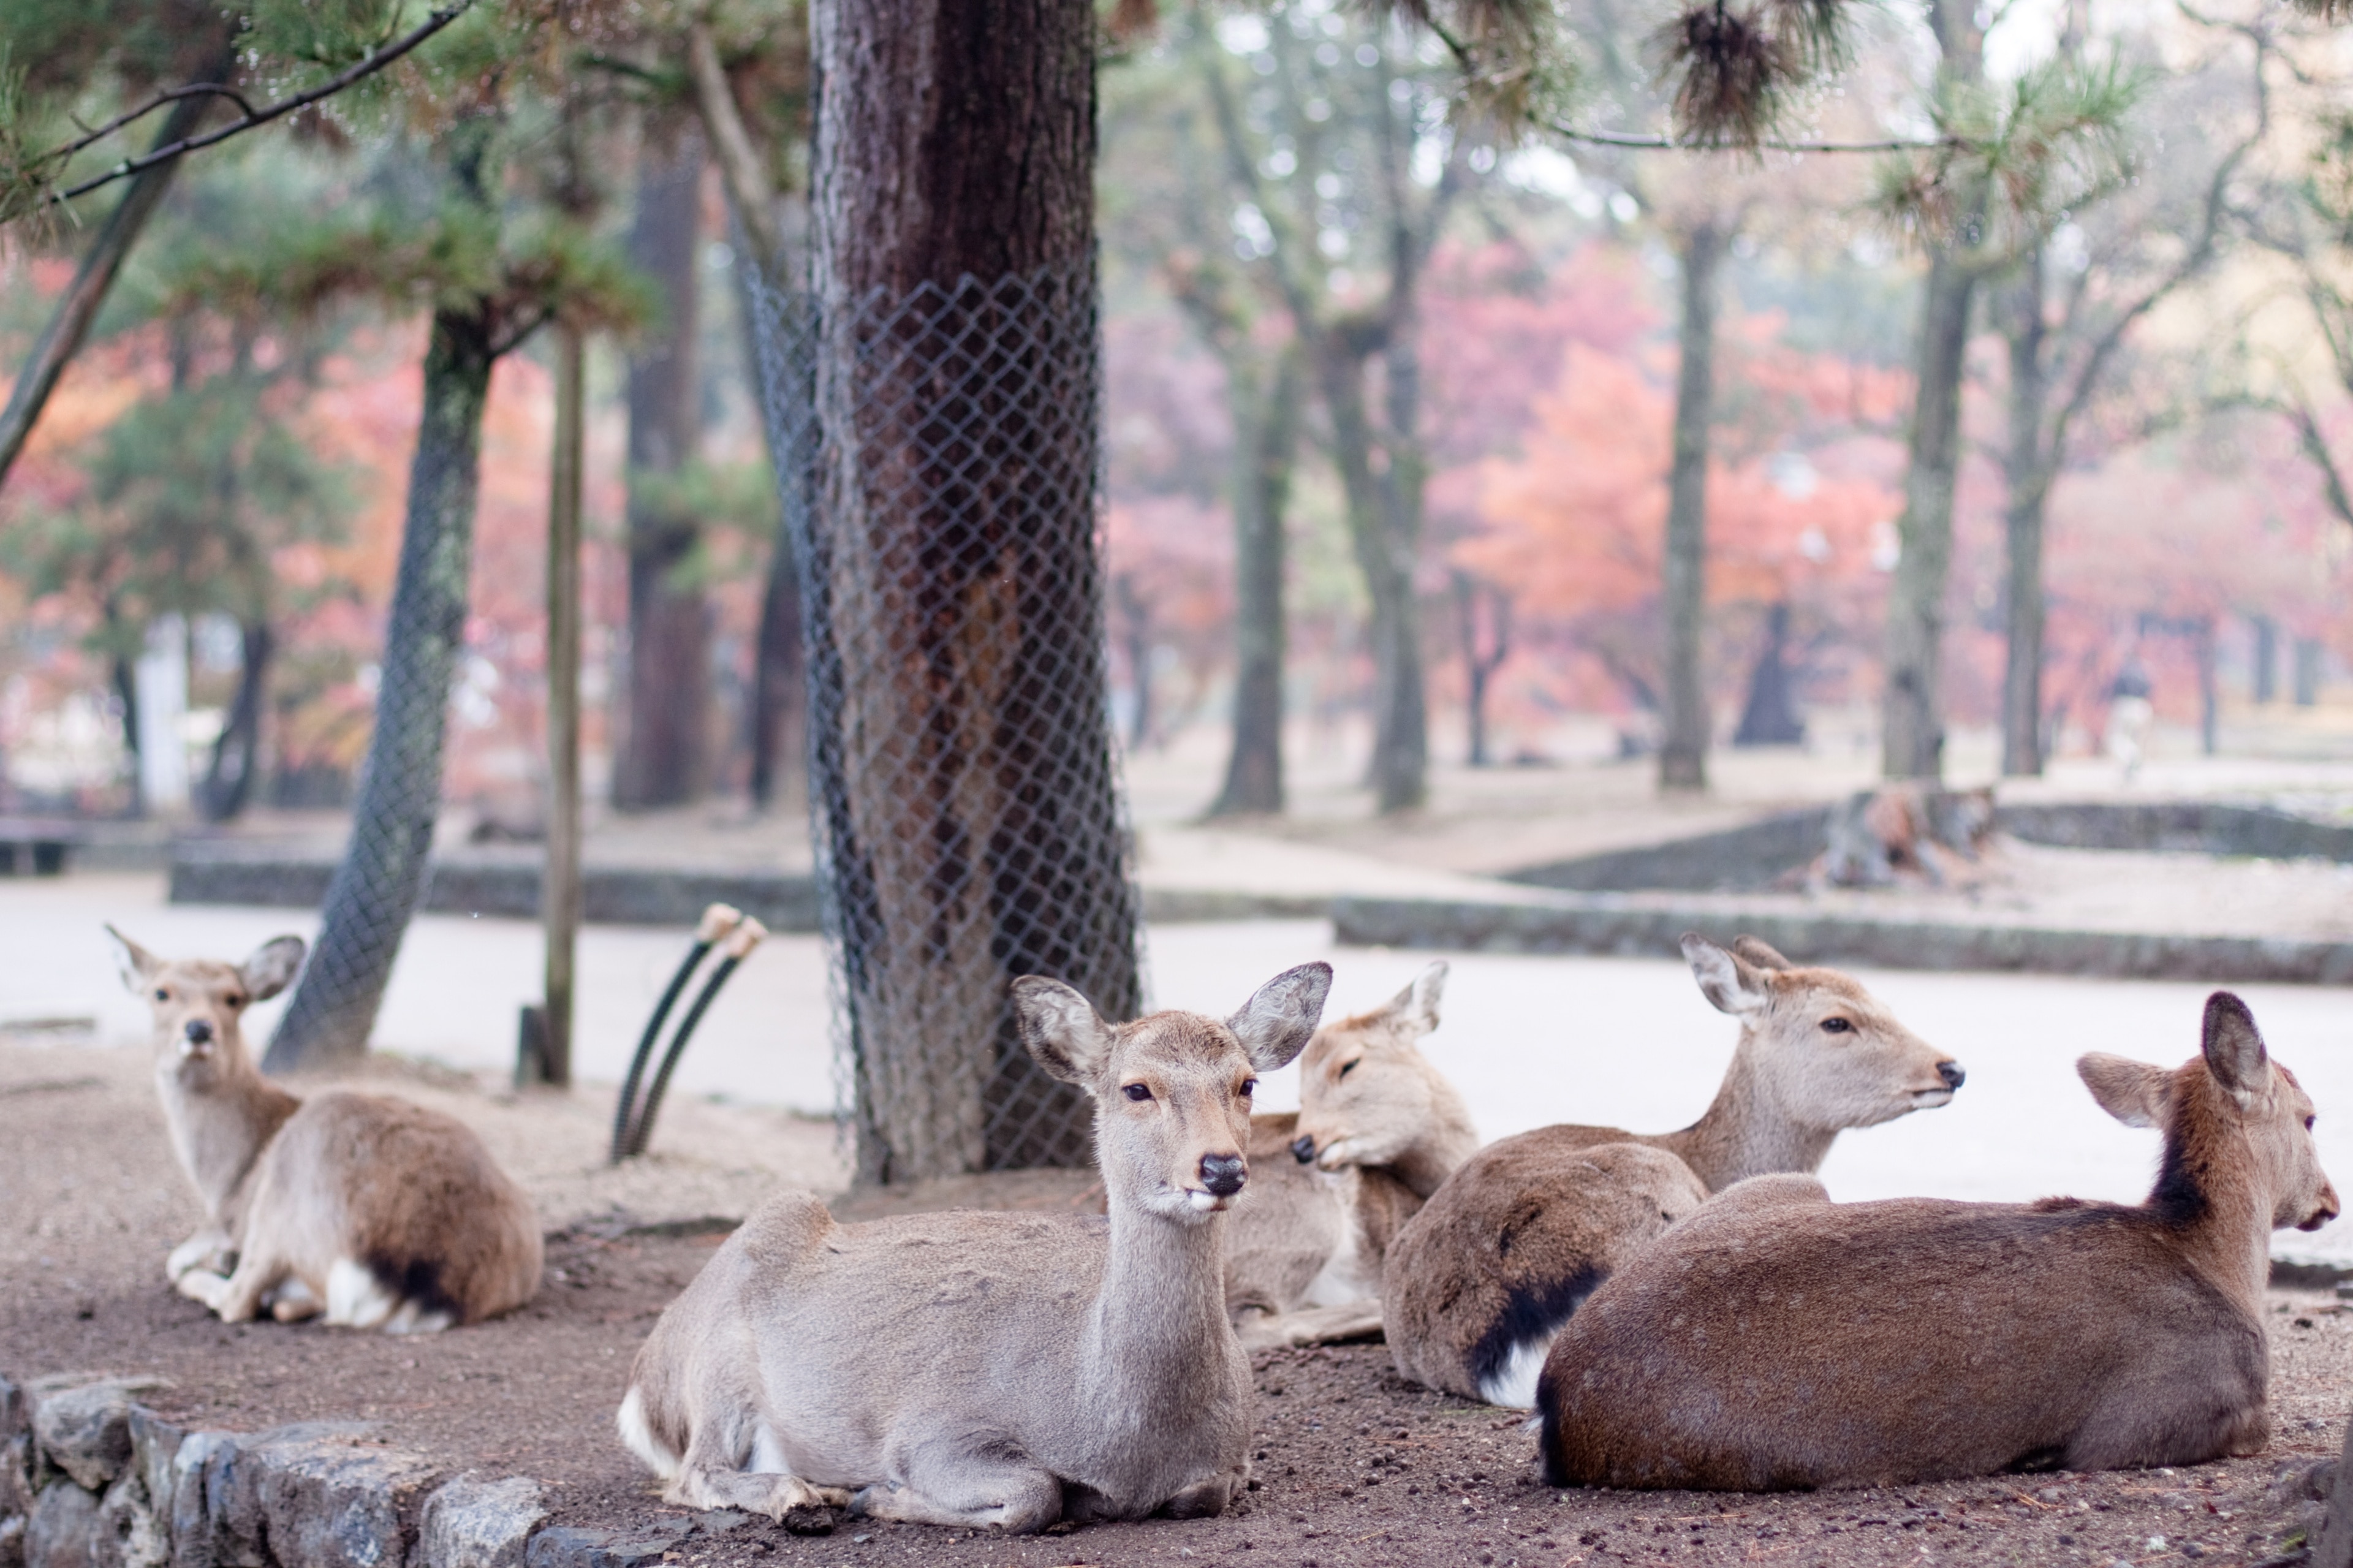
738,947
718,920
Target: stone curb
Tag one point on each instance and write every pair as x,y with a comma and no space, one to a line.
1617,925
91,1478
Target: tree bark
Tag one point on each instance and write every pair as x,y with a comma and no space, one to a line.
70,324
2266,660
1682,746
1912,723
1479,667
666,744
2029,475
1266,438
957,621
382,873
1385,538
560,889
1770,716
226,787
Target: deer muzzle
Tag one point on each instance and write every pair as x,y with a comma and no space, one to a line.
1223,1174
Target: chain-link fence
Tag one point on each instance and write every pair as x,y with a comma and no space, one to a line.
937,457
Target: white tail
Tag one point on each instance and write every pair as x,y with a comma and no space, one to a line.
1480,1280
993,1369
372,1212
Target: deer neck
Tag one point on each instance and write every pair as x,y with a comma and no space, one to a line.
218,1130
2221,1218
1443,1149
1748,1131
1159,1321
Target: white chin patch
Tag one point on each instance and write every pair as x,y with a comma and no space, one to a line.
1203,1201
1928,1100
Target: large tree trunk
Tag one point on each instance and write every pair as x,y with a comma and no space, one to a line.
376,885
1912,721
1385,539
69,323
1266,437
2029,477
666,744
1683,745
1770,716
970,828
226,787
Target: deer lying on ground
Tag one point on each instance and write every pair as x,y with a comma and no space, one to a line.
1778,1340
1378,1129
376,1212
1483,1277
977,1368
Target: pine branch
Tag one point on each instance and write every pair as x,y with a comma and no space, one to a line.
360,70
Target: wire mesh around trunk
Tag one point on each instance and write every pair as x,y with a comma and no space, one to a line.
937,461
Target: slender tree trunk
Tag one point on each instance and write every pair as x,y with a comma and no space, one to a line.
70,324
122,671
666,745
1398,773
1682,748
2203,639
559,890
1135,634
1479,667
958,687
2028,466
776,678
1912,721
1266,437
228,785
378,883
1770,716
2266,660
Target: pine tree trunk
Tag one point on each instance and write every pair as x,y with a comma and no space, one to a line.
1770,716
2029,479
69,322
956,617
382,873
666,744
1682,748
1266,434
1912,721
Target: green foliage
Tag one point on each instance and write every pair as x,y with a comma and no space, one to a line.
2013,159
190,496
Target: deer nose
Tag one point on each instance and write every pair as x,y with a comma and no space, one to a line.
1303,1151
1223,1173
1952,1073
200,1031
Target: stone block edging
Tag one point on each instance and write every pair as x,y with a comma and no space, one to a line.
1615,925
91,1478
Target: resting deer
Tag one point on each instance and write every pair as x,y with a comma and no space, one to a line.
1482,1278
987,1368
1778,1340
1378,1129
375,1212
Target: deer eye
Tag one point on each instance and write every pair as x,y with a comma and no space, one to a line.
1347,1068
232,1001
1837,1026
1137,1093
1250,1086
162,995
2308,1121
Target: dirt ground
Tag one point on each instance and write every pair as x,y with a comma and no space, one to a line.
1354,1466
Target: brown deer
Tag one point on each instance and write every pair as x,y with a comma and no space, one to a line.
978,1368
1378,1129
375,1212
1479,1281
1778,1339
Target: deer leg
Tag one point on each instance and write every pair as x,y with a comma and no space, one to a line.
210,1249
943,1480
293,1300
717,1473
1209,1499
236,1298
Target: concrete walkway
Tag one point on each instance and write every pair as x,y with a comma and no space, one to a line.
1529,1040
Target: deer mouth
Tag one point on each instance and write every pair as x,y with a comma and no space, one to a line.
1929,1098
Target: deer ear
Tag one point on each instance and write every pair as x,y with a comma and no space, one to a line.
1763,955
272,966
136,964
2234,1049
2133,1093
1416,1007
1279,1020
1730,982
1062,1030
